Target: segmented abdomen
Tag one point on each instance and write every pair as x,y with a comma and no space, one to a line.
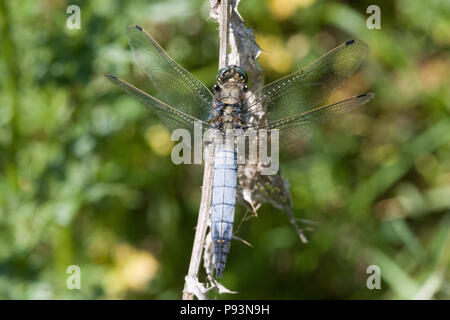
223,202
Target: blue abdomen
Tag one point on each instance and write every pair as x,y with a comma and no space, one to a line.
223,202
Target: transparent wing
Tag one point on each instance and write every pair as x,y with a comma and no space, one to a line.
173,118
292,128
176,85
308,88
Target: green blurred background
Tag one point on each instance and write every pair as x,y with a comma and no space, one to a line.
86,177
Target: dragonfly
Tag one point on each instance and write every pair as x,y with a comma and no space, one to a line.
292,104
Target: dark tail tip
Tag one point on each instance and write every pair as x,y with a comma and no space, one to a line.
219,272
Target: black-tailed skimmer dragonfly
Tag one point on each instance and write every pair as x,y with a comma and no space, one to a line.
291,104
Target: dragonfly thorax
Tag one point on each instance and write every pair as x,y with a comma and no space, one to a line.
227,116
229,92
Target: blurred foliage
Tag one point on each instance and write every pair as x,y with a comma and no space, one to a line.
86,177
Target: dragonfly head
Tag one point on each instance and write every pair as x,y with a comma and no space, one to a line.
231,73
231,85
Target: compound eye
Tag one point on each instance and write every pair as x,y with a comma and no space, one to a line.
245,88
216,87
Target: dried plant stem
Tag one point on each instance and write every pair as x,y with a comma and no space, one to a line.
202,226
208,174
224,32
